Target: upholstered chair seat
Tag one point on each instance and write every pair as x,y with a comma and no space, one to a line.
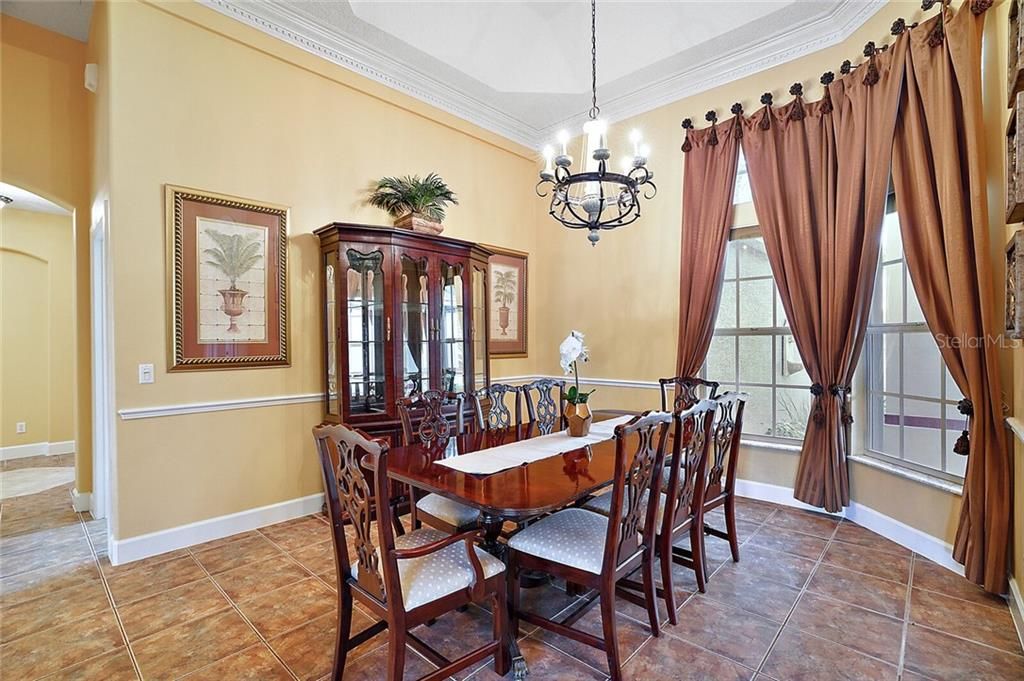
435,575
449,511
602,504
573,537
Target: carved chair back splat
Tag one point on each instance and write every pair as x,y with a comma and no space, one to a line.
686,390
431,417
491,407
378,581
547,411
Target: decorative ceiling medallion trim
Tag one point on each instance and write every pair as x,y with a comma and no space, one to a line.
282,23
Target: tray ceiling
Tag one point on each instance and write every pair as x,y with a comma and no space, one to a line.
522,69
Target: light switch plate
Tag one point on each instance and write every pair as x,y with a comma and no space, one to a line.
145,373
20,427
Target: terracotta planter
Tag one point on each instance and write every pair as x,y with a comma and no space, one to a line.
579,418
418,223
503,319
233,307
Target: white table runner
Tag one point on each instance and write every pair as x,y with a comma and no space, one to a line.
503,457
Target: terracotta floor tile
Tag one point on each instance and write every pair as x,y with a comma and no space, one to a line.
278,611
45,556
631,635
744,526
733,586
754,510
317,558
544,662
816,524
868,561
777,566
939,656
852,533
134,585
456,633
170,608
991,626
934,577
546,600
669,658
55,648
113,666
730,632
187,647
863,630
60,519
53,609
297,533
309,650
237,553
110,571
880,595
800,656
29,585
370,667
254,579
215,543
782,539
252,664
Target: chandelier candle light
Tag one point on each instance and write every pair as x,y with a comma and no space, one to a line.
594,198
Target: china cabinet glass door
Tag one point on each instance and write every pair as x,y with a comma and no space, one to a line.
452,334
366,324
331,334
415,323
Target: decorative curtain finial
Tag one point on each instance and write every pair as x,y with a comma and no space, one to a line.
796,89
927,4
737,111
938,33
712,118
872,76
827,78
826,102
797,113
766,119
845,67
870,49
979,6
687,126
898,26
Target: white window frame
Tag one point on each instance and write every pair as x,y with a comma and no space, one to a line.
775,332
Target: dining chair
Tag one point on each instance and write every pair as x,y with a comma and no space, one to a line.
490,406
430,419
546,412
404,580
588,549
721,472
686,391
680,503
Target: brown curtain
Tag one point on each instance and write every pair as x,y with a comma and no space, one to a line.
819,174
940,181
709,178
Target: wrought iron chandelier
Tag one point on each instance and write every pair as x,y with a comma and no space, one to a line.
594,198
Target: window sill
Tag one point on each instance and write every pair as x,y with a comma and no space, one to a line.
921,478
777,446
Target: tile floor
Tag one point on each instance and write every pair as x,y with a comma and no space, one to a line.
811,599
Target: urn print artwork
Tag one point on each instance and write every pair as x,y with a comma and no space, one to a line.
507,281
227,281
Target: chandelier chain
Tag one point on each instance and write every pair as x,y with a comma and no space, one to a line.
594,109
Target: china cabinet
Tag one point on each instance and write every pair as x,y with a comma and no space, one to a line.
402,312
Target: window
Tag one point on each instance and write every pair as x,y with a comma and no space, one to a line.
742,192
912,416
753,349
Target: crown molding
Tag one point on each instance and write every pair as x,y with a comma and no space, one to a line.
279,21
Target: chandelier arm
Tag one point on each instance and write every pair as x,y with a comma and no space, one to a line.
583,222
537,190
652,194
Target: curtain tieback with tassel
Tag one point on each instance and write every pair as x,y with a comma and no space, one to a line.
963,443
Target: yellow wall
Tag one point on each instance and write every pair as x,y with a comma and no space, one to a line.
240,113
37,359
45,150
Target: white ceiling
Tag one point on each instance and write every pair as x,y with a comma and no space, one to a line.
25,200
522,69
69,17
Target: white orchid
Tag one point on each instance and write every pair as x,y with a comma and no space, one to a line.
571,352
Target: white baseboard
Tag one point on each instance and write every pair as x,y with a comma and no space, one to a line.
152,544
930,547
36,449
1017,608
81,501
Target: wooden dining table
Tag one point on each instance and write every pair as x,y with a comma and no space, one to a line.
515,494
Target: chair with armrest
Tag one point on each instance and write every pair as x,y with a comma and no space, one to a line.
404,580
431,419
588,549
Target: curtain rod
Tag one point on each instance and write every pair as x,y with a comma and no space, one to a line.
898,27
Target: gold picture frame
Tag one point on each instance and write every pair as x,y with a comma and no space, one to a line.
227,281
508,305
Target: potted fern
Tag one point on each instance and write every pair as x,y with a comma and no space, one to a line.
234,255
415,203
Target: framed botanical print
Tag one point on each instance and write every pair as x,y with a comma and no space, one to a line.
227,281
506,274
